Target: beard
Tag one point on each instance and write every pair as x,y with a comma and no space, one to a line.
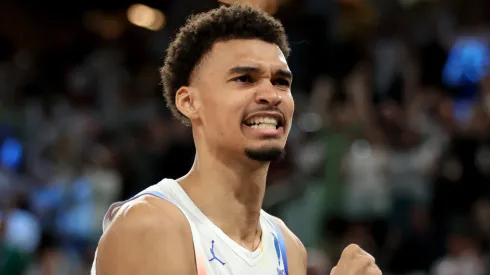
270,154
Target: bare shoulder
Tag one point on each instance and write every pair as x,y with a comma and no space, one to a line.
148,212
147,236
296,251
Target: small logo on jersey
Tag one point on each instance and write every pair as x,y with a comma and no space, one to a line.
280,271
214,255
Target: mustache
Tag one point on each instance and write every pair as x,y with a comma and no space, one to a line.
267,109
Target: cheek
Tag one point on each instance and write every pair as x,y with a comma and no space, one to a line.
222,116
289,106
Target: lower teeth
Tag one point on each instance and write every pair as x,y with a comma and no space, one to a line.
263,126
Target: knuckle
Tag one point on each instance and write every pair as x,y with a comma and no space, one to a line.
369,256
363,261
364,264
374,270
354,247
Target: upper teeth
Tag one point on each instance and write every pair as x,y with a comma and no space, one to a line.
262,120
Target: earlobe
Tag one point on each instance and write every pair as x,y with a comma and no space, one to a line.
185,101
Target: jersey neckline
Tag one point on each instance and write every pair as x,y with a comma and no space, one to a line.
252,258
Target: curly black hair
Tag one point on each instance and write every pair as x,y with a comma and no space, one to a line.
202,31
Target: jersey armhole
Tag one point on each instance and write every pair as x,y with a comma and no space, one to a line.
201,269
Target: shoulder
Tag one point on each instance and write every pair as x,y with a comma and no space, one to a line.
295,248
146,224
148,213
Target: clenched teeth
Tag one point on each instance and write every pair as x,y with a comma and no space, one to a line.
262,122
263,126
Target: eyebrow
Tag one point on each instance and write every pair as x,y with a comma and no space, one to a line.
251,69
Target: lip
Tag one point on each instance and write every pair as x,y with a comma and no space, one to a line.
277,115
262,133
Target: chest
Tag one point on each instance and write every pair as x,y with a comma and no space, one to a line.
216,255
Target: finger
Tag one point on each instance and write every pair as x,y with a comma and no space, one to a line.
361,264
369,256
333,270
349,254
367,267
351,251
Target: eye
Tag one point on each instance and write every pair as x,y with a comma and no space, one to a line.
281,82
243,79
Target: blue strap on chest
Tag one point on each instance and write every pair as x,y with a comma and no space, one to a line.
282,248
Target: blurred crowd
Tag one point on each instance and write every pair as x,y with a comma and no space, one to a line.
390,146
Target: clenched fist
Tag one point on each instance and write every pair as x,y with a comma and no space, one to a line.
355,261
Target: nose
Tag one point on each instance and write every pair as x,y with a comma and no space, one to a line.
268,96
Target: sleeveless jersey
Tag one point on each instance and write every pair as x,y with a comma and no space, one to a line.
215,252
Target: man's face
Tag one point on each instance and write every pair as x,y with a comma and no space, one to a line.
243,98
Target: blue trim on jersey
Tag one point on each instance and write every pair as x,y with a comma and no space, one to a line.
154,193
279,241
282,247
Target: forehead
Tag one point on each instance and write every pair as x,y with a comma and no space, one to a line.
227,54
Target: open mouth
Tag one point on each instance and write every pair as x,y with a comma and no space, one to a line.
264,122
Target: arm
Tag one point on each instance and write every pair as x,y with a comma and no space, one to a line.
359,94
297,256
321,97
147,236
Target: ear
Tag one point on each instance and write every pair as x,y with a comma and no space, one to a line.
186,102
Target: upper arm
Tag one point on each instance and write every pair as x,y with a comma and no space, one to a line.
296,251
147,236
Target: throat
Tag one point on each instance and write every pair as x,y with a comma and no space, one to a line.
229,193
233,206
240,222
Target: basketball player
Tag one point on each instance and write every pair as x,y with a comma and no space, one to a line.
227,77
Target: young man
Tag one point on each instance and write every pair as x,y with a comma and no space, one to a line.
227,77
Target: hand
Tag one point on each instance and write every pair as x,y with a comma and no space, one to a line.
355,261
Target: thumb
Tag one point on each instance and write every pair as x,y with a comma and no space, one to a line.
333,270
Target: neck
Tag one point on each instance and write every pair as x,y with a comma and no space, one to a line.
230,194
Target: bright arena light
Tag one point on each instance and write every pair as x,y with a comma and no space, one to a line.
146,17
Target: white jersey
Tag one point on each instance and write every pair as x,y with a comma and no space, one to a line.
215,252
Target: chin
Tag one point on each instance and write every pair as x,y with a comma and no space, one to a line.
266,153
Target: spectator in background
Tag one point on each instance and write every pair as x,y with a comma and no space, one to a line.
22,229
105,183
420,245
20,234
341,127
481,219
167,156
464,254
367,194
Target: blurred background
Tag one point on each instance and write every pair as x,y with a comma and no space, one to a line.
390,146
